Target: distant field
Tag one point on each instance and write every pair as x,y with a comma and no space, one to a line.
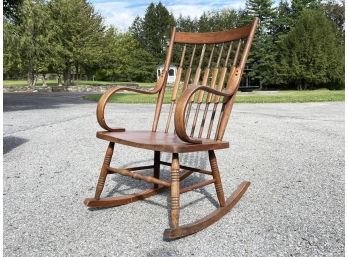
287,96
321,95
22,83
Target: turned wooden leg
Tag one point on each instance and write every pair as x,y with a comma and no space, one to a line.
216,176
175,192
104,171
156,169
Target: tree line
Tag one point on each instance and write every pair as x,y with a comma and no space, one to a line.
299,45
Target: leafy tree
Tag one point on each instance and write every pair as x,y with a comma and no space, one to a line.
335,11
27,41
282,21
12,9
11,57
129,61
262,55
78,40
137,29
186,24
313,54
153,31
204,23
297,6
218,20
262,9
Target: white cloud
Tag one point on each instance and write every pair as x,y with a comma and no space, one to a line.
236,6
194,10
187,10
118,14
122,13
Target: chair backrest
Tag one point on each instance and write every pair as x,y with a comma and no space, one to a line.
213,59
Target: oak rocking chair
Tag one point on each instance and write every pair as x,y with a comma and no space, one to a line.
219,54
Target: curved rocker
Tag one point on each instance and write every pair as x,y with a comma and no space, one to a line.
188,229
121,200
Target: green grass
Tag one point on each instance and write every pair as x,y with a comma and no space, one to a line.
290,96
321,95
23,83
14,83
131,98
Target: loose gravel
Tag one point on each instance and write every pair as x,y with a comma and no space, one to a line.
293,155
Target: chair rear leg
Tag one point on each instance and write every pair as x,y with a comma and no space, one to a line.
156,169
216,176
104,171
175,192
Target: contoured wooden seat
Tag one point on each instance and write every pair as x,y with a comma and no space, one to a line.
210,70
160,141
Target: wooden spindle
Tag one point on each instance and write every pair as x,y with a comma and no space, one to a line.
233,66
195,81
234,82
201,93
209,95
188,72
165,74
220,86
232,71
189,69
175,88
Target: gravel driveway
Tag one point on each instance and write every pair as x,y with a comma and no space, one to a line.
293,155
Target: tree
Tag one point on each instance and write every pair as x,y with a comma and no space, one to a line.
262,55
335,11
11,9
282,21
224,19
186,24
262,9
78,37
297,6
129,61
27,40
314,56
11,57
153,31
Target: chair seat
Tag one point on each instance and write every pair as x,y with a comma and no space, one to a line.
159,141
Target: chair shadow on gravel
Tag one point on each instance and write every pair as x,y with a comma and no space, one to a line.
124,185
11,143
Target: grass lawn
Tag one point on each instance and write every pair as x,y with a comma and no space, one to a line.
290,96
23,83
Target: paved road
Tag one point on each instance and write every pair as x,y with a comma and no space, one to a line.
293,154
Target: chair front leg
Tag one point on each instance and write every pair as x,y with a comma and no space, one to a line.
104,170
216,176
175,192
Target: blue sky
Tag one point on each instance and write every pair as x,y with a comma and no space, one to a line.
121,13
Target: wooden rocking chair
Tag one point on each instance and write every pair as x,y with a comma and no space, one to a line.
219,54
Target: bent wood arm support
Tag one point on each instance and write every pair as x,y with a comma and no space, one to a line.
105,97
180,110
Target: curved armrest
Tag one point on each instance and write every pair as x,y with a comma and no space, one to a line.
179,116
105,97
